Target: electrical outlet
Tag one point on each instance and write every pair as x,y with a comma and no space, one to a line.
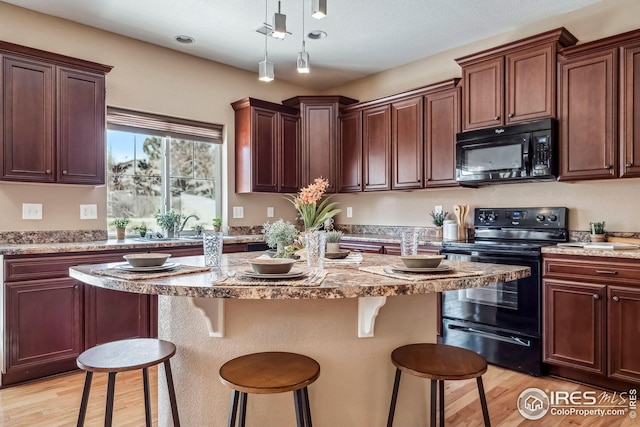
238,211
88,211
438,209
270,212
32,211
349,212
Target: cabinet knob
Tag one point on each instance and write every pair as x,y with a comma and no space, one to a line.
612,272
510,115
628,165
616,298
596,296
48,171
609,167
496,118
64,172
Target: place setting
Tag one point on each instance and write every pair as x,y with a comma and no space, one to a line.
419,267
273,272
148,265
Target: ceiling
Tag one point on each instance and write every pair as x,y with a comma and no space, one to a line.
364,36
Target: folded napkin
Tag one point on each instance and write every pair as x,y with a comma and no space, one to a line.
419,277
352,258
308,280
134,275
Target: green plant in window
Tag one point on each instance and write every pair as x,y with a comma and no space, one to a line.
168,220
121,222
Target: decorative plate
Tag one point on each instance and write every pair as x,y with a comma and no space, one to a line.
164,267
293,274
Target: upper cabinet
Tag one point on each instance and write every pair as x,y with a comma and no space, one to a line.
319,140
441,124
267,147
512,83
53,117
407,143
376,147
598,90
350,152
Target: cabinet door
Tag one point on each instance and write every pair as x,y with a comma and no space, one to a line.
289,179
376,148
574,325
265,150
442,122
28,125
407,144
350,152
43,327
81,127
530,84
630,114
320,144
588,117
624,333
367,247
483,94
114,315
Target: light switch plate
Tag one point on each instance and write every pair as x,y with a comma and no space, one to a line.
349,212
438,209
32,211
270,212
238,211
88,211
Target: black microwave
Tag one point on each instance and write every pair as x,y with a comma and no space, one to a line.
516,153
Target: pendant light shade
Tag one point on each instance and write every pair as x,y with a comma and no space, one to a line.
318,8
279,27
265,70
303,62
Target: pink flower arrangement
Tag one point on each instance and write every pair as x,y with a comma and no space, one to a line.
311,210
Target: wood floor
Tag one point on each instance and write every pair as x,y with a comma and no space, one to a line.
55,402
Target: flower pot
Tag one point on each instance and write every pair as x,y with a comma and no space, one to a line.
597,237
216,228
438,232
120,233
333,247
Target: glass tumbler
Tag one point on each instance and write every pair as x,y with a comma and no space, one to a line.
212,242
315,243
409,243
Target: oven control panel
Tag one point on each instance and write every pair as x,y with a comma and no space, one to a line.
521,217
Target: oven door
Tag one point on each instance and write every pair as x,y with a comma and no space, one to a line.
513,305
493,160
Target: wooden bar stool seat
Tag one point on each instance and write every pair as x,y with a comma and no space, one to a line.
122,356
438,362
269,373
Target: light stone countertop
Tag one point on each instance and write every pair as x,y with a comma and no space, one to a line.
607,253
342,281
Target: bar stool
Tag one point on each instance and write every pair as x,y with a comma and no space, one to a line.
127,355
438,362
269,373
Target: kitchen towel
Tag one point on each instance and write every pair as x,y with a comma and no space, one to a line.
308,280
131,275
419,277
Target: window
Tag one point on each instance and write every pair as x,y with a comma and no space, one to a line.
157,163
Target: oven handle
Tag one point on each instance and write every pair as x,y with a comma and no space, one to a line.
506,338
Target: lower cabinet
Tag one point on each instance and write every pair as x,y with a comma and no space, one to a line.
382,248
591,319
50,318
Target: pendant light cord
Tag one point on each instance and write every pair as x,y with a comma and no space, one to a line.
266,30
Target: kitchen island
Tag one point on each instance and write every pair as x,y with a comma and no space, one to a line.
211,320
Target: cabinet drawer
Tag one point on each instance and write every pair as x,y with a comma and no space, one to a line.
50,267
594,270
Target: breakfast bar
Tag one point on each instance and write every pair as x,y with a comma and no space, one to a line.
348,318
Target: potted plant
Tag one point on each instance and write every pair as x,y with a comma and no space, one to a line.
217,223
333,240
438,220
142,229
168,221
597,231
121,225
279,235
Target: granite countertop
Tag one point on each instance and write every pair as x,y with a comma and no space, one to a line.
114,245
341,281
607,253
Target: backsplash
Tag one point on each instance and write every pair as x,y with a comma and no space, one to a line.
53,236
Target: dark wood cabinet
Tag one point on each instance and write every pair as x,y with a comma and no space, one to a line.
630,114
512,83
441,124
53,126
574,326
599,100
267,147
407,145
350,152
394,249
362,246
319,140
376,148
591,319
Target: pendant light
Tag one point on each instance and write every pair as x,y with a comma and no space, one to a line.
279,27
318,8
265,68
303,56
